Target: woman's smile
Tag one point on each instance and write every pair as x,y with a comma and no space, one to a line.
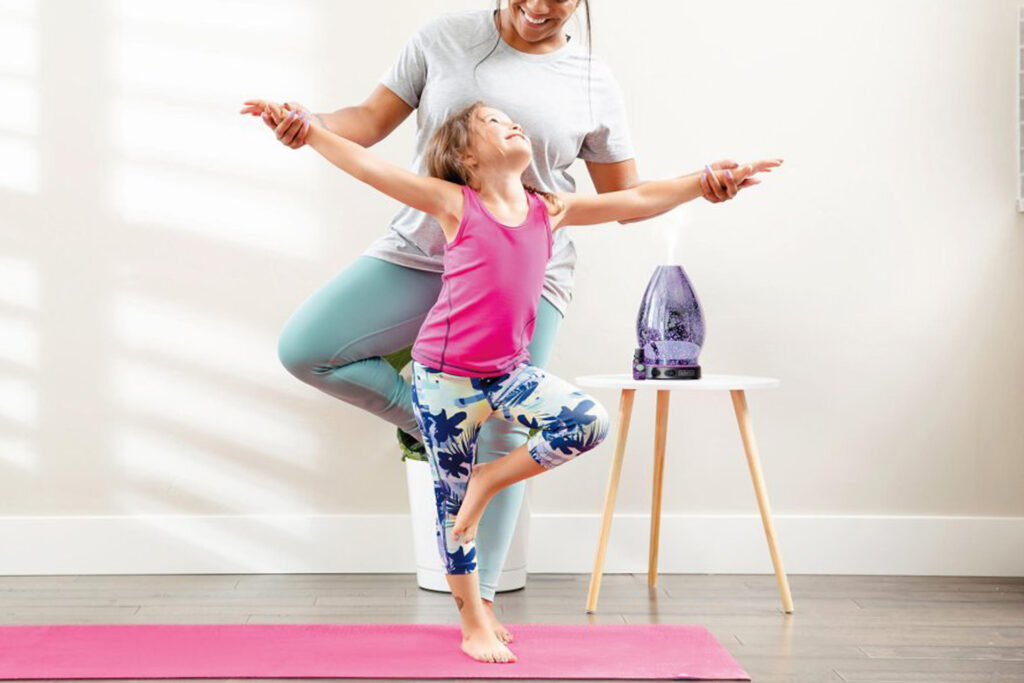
532,20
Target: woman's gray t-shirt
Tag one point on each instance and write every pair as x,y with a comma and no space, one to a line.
545,93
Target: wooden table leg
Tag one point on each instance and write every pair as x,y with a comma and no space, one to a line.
739,404
660,430
625,410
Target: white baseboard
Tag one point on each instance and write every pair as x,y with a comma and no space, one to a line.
558,543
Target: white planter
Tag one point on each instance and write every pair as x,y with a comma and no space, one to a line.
430,573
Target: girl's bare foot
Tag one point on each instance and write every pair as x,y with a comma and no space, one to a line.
473,503
482,644
504,635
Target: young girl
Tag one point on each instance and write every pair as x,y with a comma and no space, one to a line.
470,358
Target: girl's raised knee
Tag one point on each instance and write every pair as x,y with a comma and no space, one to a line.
601,424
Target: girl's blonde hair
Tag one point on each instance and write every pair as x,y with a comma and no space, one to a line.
451,140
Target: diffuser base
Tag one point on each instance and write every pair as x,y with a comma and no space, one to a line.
642,371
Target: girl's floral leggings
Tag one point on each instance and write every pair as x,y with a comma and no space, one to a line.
450,410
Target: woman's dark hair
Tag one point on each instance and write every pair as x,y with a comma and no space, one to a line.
590,47
443,153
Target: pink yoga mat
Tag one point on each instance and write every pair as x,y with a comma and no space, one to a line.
651,651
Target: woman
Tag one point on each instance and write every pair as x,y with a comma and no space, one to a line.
519,58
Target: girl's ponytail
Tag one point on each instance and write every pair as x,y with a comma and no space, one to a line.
550,196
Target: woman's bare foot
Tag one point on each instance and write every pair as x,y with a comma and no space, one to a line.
504,635
473,503
481,643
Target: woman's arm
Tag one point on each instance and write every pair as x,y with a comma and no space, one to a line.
439,198
367,123
370,122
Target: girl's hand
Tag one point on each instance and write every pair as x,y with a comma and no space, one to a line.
722,185
290,122
261,108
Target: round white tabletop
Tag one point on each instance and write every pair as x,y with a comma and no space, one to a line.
706,382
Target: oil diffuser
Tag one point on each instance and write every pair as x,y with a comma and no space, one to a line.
669,328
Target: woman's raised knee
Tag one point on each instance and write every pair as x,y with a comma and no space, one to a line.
294,353
301,351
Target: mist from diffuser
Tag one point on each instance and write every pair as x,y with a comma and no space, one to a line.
670,322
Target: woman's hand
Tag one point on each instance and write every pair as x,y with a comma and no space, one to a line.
290,121
721,186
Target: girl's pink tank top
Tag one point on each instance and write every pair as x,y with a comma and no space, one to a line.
493,276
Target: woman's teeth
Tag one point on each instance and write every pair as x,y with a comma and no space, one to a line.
535,22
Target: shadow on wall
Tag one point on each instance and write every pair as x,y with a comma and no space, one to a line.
137,370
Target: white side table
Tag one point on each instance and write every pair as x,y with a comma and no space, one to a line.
736,385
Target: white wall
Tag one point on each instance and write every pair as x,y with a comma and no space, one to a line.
153,242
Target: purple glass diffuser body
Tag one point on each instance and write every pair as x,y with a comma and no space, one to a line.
669,328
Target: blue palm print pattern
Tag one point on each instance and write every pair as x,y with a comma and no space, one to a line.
457,459
572,438
451,409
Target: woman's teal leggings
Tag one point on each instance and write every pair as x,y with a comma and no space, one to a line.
336,338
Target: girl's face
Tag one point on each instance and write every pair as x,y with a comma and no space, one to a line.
537,20
496,140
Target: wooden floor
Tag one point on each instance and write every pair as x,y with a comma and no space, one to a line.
845,628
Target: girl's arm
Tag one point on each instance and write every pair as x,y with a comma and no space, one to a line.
439,198
622,175
642,201
636,203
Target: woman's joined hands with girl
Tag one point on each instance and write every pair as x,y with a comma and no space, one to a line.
290,121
